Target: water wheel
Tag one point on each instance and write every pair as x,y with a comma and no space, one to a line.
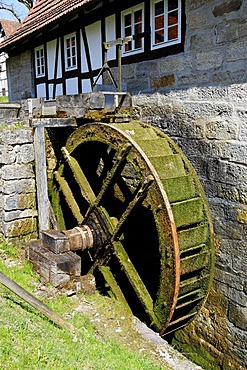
142,200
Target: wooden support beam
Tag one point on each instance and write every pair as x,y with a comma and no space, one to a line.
41,178
54,122
36,303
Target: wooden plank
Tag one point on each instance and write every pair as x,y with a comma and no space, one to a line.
36,303
41,178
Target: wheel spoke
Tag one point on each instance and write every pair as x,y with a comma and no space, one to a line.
79,176
115,289
136,281
117,167
141,193
69,197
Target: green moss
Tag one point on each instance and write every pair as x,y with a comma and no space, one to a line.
197,355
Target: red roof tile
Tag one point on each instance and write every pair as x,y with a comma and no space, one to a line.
9,26
42,14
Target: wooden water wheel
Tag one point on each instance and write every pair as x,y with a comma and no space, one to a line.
152,235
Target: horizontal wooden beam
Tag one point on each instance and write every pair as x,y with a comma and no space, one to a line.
54,122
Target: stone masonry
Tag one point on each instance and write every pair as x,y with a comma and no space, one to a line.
18,215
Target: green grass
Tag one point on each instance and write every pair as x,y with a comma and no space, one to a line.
4,99
28,340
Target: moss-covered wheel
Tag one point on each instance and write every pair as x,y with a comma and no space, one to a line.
135,188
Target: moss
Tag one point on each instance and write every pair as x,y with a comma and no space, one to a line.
242,216
195,353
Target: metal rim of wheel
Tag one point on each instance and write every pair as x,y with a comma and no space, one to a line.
157,253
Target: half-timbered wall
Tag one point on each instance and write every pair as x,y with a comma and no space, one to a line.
69,63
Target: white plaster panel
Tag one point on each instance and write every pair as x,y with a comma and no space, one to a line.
93,33
51,56
71,86
84,66
111,35
86,86
41,91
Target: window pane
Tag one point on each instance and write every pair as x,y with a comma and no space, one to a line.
127,20
128,47
128,31
138,16
172,4
159,36
159,8
138,43
173,18
159,22
138,29
173,33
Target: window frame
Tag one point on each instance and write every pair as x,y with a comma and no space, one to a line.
124,13
166,41
39,61
70,66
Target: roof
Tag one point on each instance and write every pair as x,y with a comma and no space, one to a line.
43,13
9,26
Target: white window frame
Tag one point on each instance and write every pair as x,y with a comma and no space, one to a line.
39,61
132,12
166,42
69,62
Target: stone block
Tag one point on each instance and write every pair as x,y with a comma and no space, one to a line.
25,154
162,82
16,215
226,172
146,69
56,241
17,171
228,76
192,78
230,279
220,129
19,201
13,137
20,228
230,30
206,60
195,4
19,186
228,230
174,63
236,296
236,51
7,154
202,38
238,315
227,7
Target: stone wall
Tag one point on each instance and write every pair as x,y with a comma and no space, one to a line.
210,126
18,217
20,68
214,53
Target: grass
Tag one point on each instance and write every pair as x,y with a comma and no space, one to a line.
28,340
4,99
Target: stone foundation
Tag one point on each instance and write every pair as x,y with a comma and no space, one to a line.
18,215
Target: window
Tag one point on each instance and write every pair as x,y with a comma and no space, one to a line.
70,52
133,25
166,22
40,61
